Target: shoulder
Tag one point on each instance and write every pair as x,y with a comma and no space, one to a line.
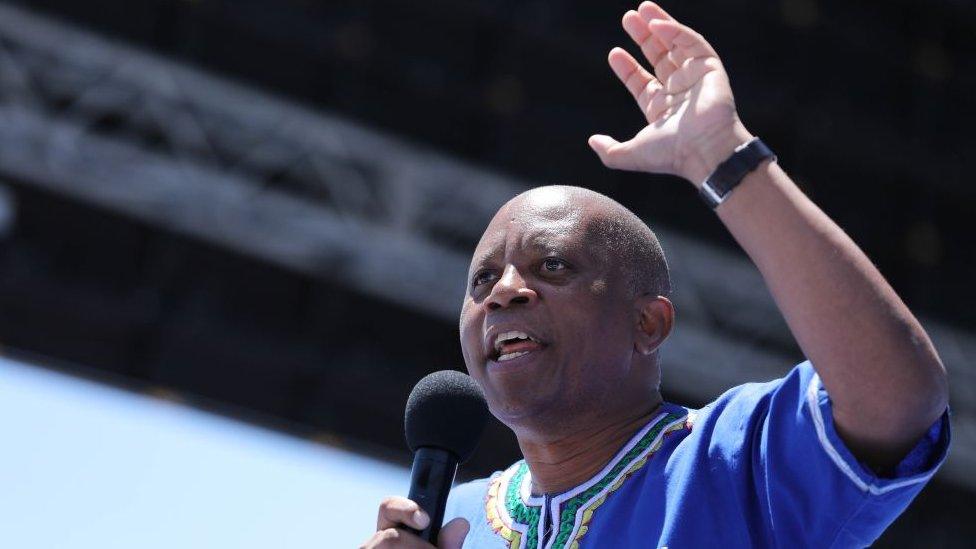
472,500
468,499
743,404
730,429
473,490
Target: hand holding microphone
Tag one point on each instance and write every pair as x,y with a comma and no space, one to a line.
398,512
444,418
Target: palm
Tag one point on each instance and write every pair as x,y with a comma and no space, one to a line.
685,101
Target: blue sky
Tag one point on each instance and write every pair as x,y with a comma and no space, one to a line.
83,465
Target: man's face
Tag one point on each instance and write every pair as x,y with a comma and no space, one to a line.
547,325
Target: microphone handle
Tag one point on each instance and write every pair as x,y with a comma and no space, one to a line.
430,481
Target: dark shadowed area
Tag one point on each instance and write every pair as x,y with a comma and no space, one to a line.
267,209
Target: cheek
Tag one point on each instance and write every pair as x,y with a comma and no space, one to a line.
465,306
468,312
468,326
598,287
601,331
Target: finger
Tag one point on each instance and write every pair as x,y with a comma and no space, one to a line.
400,511
682,44
612,153
691,73
650,10
395,537
684,41
681,54
641,84
651,47
453,533
629,71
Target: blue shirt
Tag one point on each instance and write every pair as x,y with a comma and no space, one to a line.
761,466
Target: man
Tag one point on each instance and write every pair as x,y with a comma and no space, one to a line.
566,309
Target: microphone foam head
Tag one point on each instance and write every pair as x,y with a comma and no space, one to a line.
446,409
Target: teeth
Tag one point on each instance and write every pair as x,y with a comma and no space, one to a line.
510,356
514,334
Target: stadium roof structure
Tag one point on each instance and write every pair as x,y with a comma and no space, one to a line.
105,124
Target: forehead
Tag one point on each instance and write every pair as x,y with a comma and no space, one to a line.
539,219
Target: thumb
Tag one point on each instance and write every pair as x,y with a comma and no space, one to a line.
452,534
610,151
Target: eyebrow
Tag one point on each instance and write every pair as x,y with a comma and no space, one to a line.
542,240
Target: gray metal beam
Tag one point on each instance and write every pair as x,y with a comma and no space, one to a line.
205,157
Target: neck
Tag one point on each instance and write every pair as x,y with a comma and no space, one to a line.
563,463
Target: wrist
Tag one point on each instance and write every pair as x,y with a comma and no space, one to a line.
712,151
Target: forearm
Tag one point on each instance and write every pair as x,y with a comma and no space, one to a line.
884,377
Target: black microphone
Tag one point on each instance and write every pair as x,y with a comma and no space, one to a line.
445,416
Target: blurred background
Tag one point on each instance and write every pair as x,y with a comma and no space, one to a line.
233,235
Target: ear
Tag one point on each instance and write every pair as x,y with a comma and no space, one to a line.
655,318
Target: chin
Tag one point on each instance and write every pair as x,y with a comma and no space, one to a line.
524,408
519,392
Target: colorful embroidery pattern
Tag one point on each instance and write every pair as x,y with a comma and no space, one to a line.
499,525
520,512
517,521
508,516
595,498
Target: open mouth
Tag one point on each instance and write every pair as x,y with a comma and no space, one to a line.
514,344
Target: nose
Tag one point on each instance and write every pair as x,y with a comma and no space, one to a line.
510,290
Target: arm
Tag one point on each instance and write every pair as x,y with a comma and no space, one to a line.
885,380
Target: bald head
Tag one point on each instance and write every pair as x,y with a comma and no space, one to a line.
582,283
611,230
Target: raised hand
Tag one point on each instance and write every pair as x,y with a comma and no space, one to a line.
692,123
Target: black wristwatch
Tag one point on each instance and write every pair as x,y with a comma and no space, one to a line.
728,174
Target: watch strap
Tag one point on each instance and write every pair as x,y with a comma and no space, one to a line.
730,173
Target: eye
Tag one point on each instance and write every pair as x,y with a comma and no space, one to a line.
482,277
554,265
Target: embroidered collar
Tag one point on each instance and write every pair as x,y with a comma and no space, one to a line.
516,515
